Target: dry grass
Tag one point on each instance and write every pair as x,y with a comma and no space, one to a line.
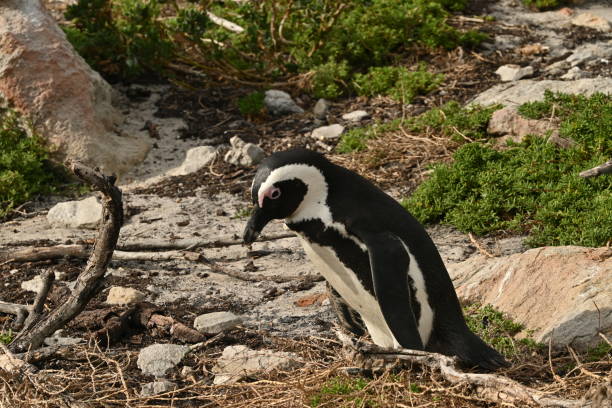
87,376
398,155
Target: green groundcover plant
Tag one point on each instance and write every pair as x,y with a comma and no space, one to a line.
335,47
531,187
24,167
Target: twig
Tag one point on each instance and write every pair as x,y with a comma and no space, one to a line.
21,311
492,387
90,281
228,25
597,170
480,247
193,243
603,336
251,277
580,366
37,308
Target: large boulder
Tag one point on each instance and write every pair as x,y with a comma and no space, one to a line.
562,293
43,77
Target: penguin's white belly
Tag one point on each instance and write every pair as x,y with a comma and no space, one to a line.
345,282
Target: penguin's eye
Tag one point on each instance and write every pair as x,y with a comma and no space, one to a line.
275,193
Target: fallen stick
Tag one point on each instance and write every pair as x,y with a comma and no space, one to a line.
251,277
597,170
192,243
492,387
90,280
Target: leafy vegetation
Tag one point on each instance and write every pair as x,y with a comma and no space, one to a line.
24,168
397,82
252,104
497,330
326,43
126,38
532,187
6,336
545,4
600,352
338,386
450,121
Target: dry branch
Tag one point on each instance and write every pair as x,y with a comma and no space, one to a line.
156,245
597,170
44,253
90,281
492,387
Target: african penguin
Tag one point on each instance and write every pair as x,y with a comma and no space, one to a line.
372,252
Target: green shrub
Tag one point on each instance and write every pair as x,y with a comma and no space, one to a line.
451,121
355,140
339,386
252,104
398,82
497,330
122,38
454,121
24,169
333,40
532,187
6,337
329,79
542,5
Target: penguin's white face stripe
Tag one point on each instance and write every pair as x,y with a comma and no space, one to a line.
314,205
425,323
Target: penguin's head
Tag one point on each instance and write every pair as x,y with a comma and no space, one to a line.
287,185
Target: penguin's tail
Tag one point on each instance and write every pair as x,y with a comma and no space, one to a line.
473,351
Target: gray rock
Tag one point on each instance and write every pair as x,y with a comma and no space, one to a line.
590,52
527,90
123,296
356,116
330,132
507,42
244,154
575,73
592,21
85,213
561,293
238,362
280,103
195,159
512,72
63,341
157,387
321,108
557,68
156,359
33,285
216,322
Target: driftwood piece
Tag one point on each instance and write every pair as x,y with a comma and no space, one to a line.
597,170
83,252
492,387
191,243
253,277
37,307
90,281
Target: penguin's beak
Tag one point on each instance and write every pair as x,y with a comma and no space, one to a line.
256,223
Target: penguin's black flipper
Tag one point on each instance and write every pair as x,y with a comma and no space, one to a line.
389,262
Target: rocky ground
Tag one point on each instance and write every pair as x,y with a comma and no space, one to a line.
271,289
